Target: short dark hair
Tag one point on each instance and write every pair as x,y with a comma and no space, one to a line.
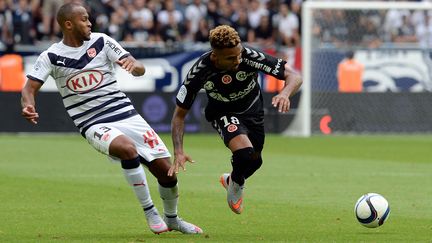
350,54
66,12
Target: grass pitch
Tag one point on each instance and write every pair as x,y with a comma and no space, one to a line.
56,188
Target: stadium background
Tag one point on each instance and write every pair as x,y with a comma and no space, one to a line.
168,36
56,188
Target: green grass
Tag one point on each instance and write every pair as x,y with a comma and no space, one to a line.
58,189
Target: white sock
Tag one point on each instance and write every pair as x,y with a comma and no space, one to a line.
137,179
170,198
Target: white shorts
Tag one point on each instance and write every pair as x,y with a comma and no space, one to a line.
147,142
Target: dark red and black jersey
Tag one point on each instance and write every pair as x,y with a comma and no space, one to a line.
234,92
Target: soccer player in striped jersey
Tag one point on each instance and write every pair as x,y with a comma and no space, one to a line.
82,65
229,75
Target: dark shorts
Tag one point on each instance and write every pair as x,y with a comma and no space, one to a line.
229,126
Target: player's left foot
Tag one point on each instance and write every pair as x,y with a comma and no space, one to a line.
180,225
235,196
224,180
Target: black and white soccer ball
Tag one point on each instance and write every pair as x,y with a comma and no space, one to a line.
372,210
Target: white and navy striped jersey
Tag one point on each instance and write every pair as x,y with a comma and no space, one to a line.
86,80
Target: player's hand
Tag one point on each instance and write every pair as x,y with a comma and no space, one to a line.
30,114
127,63
131,65
282,102
179,162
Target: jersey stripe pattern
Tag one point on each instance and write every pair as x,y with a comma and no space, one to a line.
85,79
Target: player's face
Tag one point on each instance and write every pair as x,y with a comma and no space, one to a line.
81,24
228,58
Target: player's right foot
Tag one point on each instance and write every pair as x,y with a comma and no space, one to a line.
155,222
235,196
224,180
178,224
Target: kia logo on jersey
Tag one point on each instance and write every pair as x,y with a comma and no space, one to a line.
84,81
226,79
91,52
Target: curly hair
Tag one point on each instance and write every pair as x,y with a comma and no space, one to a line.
224,36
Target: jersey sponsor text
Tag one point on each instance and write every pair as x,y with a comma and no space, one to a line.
257,65
84,81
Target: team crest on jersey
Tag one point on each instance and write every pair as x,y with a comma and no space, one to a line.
232,128
226,79
241,76
84,81
91,52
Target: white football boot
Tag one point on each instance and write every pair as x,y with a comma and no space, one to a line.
235,196
180,225
155,222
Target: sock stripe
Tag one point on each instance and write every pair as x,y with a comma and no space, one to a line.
149,207
171,216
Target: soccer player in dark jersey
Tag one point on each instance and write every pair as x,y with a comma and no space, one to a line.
82,65
229,75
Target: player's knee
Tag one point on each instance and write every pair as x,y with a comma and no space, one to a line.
168,183
128,151
129,156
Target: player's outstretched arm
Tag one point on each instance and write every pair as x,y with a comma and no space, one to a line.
28,94
293,81
131,65
177,132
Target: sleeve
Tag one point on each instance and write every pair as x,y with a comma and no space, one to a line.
265,63
114,50
191,85
41,69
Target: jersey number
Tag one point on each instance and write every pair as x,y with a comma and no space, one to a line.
234,120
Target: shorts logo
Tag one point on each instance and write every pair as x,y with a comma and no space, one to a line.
226,79
91,52
84,81
232,128
106,137
151,139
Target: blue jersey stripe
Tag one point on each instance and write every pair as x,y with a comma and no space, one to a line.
97,107
117,107
90,99
62,61
102,86
35,79
114,118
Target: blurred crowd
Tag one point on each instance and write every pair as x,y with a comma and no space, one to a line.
373,28
146,21
263,22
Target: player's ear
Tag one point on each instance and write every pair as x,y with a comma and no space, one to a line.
213,56
67,24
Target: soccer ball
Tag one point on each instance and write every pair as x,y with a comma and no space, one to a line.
372,210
